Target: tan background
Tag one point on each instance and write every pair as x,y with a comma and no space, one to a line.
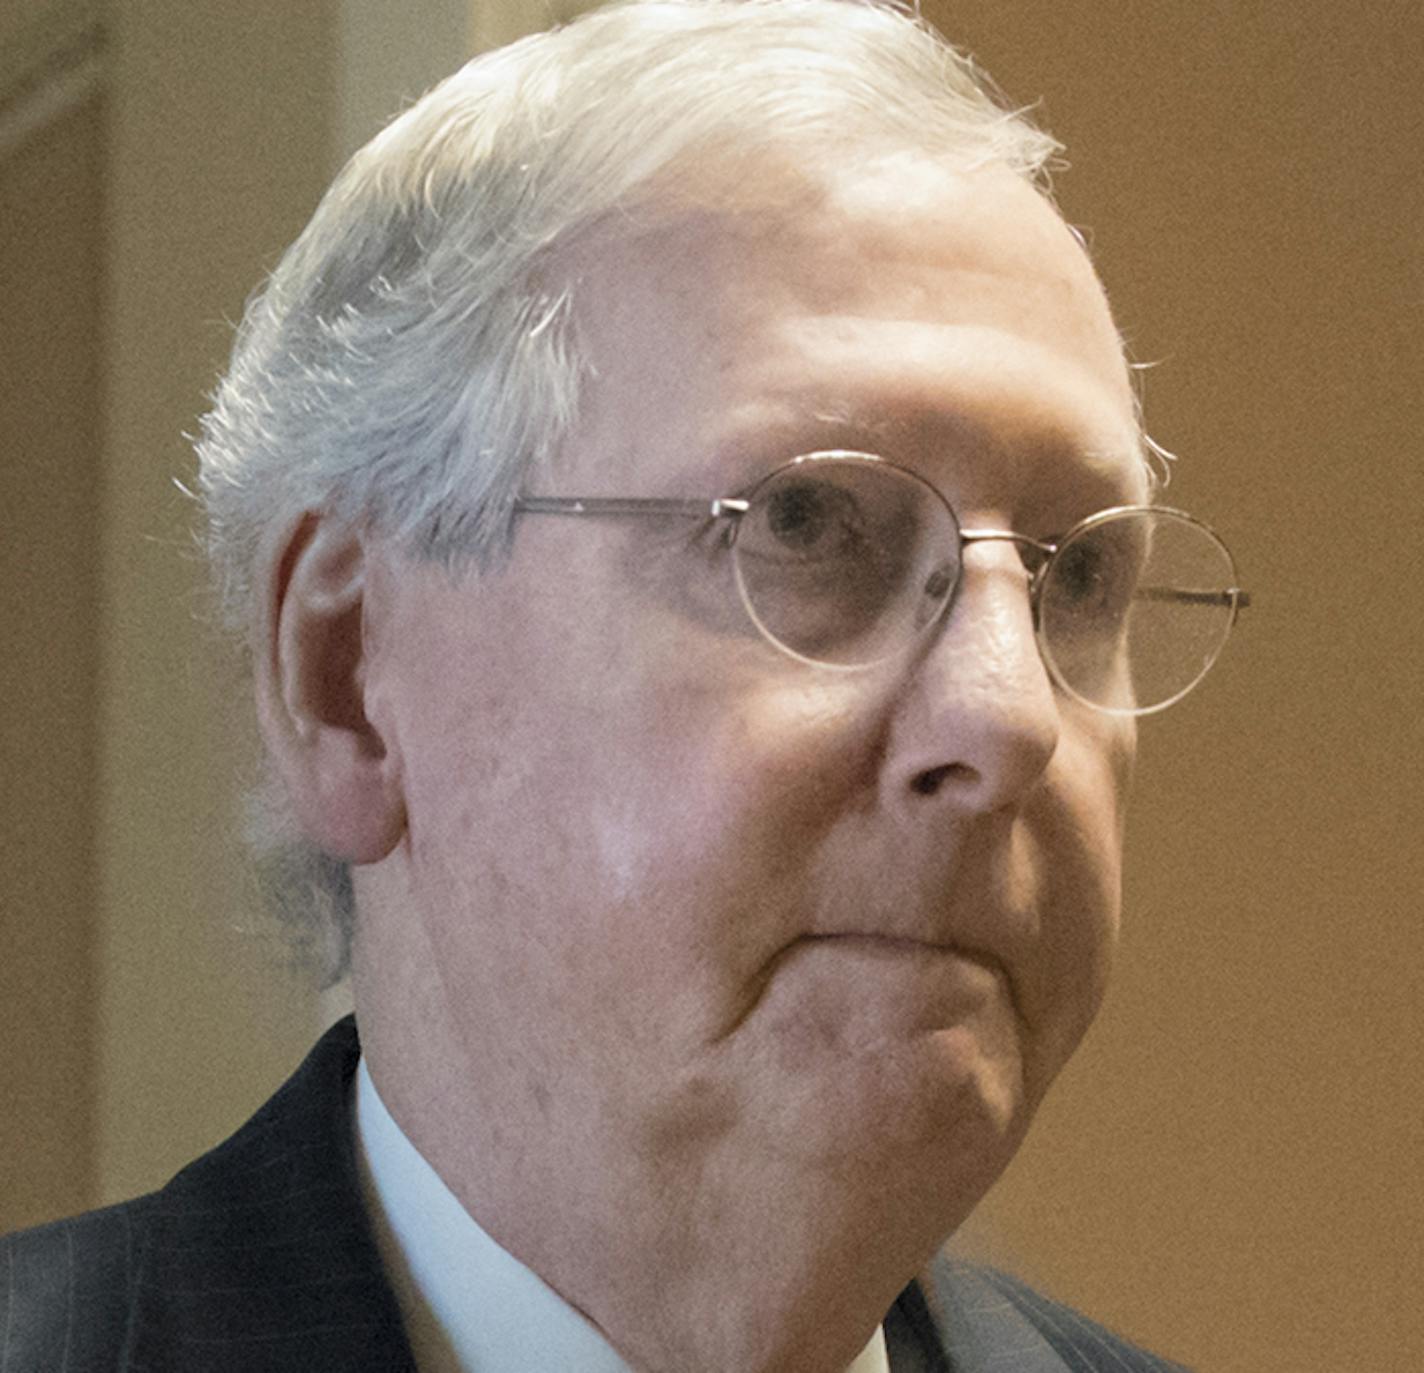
1232,1168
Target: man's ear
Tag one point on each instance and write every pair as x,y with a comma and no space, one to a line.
311,658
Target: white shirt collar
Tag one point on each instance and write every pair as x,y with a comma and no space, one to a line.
469,1305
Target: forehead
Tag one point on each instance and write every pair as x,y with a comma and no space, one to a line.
943,318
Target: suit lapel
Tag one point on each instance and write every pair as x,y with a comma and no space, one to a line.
977,1329
912,1340
258,1256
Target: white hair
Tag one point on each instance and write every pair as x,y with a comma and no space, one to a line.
409,360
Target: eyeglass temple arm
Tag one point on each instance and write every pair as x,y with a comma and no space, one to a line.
1234,596
614,505
1231,595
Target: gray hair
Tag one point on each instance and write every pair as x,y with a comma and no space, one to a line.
409,362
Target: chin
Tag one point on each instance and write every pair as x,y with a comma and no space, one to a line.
929,1165
939,1107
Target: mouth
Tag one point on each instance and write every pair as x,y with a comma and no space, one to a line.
927,963
899,954
917,956
892,945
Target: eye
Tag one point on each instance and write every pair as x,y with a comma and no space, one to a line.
1081,573
813,520
1094,574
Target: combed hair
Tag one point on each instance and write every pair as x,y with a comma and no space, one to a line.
411,359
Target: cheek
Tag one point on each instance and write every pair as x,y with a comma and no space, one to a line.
646,834
722,821
1080,852
1082,934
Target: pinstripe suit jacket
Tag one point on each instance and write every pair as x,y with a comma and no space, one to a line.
257,1258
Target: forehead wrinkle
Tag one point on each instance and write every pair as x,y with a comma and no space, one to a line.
927,419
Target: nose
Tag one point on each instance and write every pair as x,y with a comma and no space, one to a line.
979,718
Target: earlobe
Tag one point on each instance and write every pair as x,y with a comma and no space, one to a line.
313,659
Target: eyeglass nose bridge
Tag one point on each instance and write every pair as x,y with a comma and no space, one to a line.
1034,552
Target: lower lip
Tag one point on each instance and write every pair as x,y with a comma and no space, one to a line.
898,956
888,985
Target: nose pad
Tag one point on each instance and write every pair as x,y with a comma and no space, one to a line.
935,593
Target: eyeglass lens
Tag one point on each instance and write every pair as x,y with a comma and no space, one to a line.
844,561
1134,608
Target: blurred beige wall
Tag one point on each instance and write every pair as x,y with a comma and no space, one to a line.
147,1009
221,133
1232,1168
51,286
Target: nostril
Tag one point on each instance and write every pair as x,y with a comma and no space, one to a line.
927,783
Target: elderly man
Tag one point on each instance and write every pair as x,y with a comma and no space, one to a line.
688,507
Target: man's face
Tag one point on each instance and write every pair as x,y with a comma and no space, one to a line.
684,896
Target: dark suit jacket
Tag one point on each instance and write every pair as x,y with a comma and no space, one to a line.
258,1258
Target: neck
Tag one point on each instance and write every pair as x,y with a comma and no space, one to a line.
685,1259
